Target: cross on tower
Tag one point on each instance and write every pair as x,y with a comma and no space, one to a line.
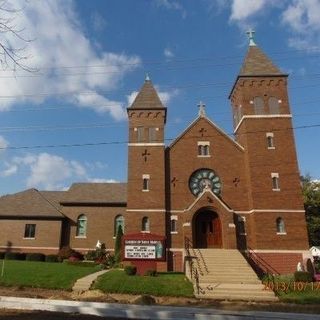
202,131
145,154
174,180
250,34
202,111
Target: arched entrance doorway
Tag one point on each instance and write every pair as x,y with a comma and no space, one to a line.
207,230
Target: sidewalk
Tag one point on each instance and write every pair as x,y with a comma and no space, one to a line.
143,312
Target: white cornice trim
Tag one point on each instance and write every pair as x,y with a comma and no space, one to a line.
151,144
261,116
268,210
277,251
146,210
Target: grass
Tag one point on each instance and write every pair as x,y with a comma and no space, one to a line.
164,284
42,274
291,291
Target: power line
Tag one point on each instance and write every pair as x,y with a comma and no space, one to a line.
125,142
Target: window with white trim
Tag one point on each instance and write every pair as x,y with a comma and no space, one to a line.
270,140
81,226
173,224
275,181
152,134
145,182
118,222
280,226
203,148
145,227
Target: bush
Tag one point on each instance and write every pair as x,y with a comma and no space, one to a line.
130,270
52,258
15,256
2,255
35,256
91,255
68,253
151,273
302,276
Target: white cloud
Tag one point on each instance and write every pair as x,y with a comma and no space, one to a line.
60,41
50,171
242,10
101,180
3,144
303,17
98,21
9,171
168,53
131,97
172,5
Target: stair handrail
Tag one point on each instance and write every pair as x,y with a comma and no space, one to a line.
194,274
261,266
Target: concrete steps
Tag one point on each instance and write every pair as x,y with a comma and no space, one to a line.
226,275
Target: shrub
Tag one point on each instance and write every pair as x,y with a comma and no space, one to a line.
151,273
91,255
76,256
35,256
15,256
130,270
117,245
52,258
65,253
2,255
302,276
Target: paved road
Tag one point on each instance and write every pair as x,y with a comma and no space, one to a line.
126,311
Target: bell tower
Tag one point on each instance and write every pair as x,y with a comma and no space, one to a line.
263,126
146,160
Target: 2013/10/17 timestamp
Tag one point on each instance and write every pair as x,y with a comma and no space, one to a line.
291,286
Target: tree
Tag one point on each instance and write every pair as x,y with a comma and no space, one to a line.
12,41
117,245
311,197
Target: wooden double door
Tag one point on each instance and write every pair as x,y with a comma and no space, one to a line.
207,230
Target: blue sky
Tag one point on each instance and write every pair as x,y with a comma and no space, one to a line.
92,56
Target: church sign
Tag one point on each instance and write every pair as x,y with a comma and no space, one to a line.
144,247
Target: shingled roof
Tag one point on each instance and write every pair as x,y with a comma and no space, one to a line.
32,203
147,98
256,63
96,193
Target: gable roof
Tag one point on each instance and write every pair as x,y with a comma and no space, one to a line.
147,98
194,122
256,63
32,203
96,193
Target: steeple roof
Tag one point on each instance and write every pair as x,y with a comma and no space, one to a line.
256,63
147,97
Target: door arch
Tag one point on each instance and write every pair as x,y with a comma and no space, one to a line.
207,230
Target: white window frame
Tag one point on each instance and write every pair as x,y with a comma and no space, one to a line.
203,145
147,219
174,218
146,177
270,137
275,175
284,232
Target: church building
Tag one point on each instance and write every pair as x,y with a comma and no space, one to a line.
205,189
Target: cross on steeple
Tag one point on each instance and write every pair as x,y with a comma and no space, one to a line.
202,111
145,154
202,131
250,34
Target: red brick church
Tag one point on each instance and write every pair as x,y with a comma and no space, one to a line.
205,188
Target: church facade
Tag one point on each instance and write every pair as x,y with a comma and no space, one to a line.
204,190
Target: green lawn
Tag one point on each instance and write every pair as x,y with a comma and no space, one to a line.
164,284
42,274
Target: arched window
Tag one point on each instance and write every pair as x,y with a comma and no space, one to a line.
118,221
258,105
81,226
280,225
173,225
274,105
145,224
